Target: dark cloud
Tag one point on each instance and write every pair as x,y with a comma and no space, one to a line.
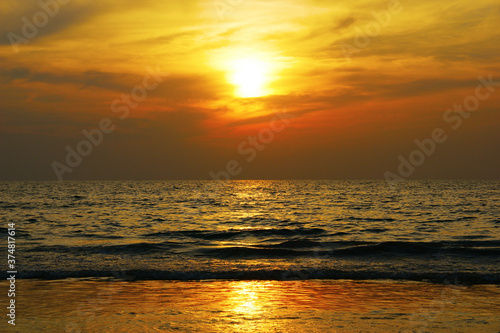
14,73
164,39
74,12
111,81
70,14
410,88
344,23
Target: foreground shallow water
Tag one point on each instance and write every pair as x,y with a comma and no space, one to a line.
91,305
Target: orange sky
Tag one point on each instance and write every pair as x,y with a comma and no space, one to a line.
359,82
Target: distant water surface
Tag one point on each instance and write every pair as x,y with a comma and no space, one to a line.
183,230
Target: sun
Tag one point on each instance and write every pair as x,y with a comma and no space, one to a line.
250,76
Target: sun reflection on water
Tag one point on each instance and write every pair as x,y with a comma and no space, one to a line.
248,297
248,306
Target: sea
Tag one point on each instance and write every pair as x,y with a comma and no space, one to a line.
284,230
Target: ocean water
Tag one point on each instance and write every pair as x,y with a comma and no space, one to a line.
234,306
443,231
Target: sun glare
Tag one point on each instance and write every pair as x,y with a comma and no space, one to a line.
250,77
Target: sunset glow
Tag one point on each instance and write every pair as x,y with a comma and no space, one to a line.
190,81
250,77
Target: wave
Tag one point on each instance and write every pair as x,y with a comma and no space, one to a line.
369,219
19,233
466,278
315,249
257,252
135,248
227,234
299,247
422,248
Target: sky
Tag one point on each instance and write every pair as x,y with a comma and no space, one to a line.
249,89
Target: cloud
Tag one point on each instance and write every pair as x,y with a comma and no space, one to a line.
344,23
66,16
111,81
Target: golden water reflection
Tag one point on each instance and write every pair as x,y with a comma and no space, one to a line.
254,306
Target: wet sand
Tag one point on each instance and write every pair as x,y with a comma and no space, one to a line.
77,305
